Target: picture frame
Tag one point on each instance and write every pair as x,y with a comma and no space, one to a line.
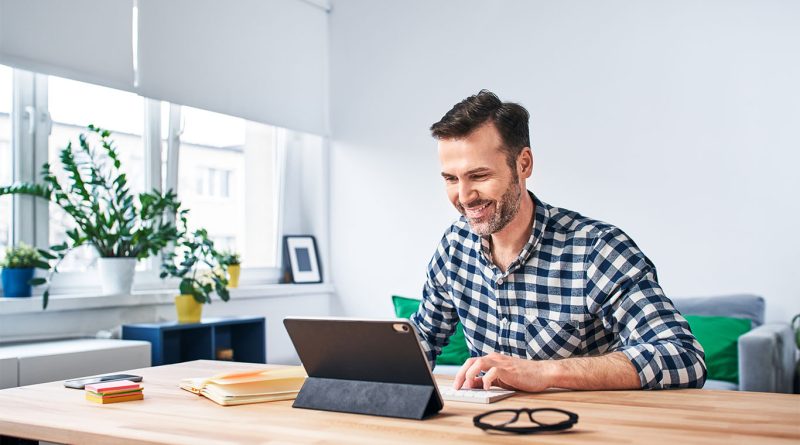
301,259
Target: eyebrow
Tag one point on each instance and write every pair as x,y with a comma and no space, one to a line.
471,172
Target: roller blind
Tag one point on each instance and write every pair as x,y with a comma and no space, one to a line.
86,40
262,60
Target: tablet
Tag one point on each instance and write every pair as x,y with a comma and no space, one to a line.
362,350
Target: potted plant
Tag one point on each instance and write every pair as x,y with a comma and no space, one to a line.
19,266
234,261
201,270
121,226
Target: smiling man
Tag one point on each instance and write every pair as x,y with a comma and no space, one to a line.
547,297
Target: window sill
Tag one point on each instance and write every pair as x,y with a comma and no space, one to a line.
77,302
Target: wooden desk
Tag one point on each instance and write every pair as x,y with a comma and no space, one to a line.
170,415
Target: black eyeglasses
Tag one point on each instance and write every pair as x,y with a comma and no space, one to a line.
543,419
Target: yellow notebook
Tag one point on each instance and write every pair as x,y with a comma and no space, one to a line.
240,387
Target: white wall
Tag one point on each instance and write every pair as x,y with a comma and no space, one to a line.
676,121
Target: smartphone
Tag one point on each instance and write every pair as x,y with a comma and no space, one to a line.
82,382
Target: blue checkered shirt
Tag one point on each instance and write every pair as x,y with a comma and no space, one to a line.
579,287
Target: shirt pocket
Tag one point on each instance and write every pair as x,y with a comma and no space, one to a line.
548,339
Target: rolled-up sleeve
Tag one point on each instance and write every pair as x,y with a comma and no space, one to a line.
436,318
622,289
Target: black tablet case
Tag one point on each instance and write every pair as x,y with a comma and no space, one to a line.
363,367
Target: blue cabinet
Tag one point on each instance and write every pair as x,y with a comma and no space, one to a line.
241,339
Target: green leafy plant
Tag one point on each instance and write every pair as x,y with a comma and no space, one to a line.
23,256
232,258
202,270
98,199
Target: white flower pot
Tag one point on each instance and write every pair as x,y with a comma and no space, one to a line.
116,275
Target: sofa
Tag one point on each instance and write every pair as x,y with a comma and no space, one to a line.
767,354
767,359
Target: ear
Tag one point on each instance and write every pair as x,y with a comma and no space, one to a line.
525,163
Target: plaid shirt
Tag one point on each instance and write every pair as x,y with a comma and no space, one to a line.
579,287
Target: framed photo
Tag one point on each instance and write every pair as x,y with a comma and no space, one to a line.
301,262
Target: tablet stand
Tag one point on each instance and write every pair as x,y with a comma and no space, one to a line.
362,397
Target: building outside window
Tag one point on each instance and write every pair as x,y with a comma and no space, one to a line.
227,178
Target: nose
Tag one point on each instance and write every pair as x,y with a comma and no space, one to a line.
466,193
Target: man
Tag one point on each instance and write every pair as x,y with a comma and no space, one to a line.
531,282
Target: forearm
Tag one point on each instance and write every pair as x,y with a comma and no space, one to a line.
604,372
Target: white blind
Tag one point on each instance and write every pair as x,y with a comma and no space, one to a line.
86,40
262,60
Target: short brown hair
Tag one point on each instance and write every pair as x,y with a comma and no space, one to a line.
510,119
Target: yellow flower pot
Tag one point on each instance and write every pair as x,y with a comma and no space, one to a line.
189,310
233,275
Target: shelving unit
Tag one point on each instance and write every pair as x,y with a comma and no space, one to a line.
241,339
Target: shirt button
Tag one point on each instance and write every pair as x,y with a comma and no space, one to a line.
500,281
504,321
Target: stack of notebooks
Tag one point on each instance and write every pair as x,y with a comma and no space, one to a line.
240,387
113,392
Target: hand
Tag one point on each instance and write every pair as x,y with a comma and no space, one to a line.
505,372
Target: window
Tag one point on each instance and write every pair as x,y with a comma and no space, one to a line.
227,178
74,105
6,159
226,170
213,182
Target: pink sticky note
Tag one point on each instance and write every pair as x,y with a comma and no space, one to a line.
118,385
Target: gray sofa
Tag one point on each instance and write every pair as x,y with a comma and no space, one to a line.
767,357
766,354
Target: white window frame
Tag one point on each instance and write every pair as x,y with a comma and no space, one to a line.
31,126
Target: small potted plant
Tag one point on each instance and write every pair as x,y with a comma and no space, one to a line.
19,266
201,269
234,261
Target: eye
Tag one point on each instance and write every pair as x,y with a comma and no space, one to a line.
479,177
450,179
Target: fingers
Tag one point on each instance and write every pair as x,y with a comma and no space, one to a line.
459,381
471,377
489,378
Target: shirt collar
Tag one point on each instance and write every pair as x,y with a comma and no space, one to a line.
540,219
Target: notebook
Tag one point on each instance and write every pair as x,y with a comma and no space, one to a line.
240,387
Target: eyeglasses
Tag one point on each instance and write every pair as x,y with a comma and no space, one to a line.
542,419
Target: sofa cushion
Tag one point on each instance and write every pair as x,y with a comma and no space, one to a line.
455,353
719,338
746,306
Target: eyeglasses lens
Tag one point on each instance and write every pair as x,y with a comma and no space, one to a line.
547,417
503,418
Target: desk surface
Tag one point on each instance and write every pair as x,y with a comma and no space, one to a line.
170,415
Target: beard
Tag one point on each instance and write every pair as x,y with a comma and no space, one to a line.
505,210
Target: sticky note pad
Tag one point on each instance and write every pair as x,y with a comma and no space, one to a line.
117,386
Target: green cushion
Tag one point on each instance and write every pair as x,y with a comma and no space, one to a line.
455,353
719,337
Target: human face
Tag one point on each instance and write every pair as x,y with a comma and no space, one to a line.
480,183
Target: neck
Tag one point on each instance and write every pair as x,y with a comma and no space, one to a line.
514,236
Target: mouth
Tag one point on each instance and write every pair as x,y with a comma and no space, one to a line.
478,212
